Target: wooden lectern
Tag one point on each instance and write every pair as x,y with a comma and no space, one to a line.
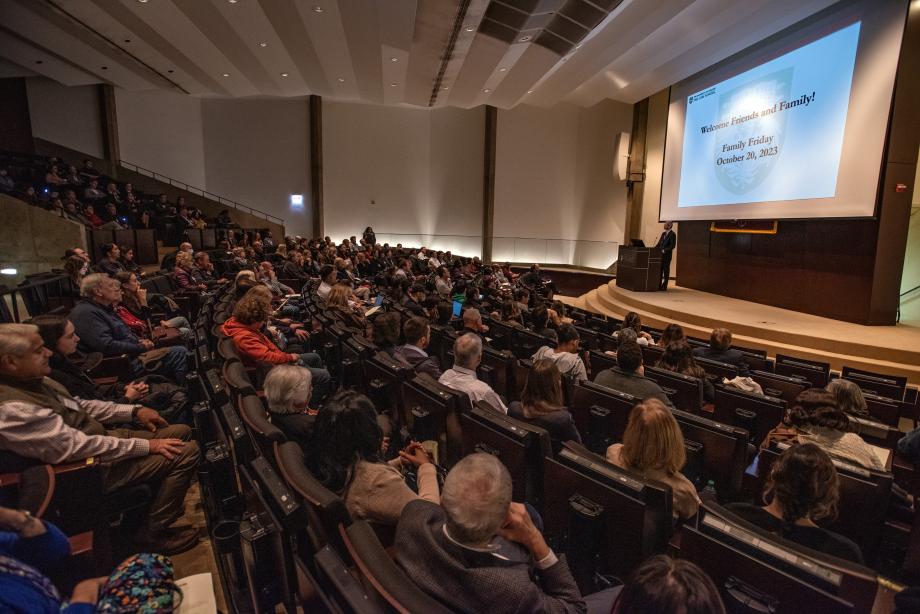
639,268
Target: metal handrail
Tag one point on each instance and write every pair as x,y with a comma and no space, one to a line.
903,294
57,280
199,191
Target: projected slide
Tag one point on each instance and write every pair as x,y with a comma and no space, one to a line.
772,133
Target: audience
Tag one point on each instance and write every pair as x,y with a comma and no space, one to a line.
136,313
417,333
541,403
665,585
849,397
653,446
678,357
720,350
478,552
472,323
671,333
632,321
339,302
565,355
346,453
110,263
462,376
802,489
629,375
287,392
182,273
815,418
102,330
40,420
385,332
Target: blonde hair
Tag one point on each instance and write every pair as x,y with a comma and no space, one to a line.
653,440
183,259
338,296
244,273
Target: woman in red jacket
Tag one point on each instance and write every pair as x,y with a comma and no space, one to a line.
245,327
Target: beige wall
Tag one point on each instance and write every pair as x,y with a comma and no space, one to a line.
162,131
422,168
257,152
554,184
65,115
910,277
33,240
651,228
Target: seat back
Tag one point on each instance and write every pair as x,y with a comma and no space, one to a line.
265,434
717,369
237,380
881,384
326,511
383,378
432,412
814,371
226,349
685,391
600,514
382,577
501,334
526,343
756,572
500,366
651,354
519,445
589,338
725,450
600,414
599,361
886,411
785,387
767,411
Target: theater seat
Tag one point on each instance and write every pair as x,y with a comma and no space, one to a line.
266,434
382,577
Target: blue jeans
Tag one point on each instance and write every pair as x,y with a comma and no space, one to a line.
321,377
173,365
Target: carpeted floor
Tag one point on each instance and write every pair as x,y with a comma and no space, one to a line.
199,559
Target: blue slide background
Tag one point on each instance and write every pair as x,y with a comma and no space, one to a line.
807,139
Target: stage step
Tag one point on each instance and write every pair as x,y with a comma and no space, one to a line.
766,334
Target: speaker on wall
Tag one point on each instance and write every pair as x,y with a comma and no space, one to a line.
621,156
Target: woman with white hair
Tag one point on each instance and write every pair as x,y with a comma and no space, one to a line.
287,390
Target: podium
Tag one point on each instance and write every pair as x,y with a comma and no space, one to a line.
639,268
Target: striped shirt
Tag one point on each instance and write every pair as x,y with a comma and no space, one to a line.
32,431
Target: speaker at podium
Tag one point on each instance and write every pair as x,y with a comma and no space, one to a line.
639,267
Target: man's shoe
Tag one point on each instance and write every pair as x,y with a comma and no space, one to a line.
171,541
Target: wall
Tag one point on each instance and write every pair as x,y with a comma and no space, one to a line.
650,228
409,173
69,116
910,278
33,240
162,131
256,152
554,184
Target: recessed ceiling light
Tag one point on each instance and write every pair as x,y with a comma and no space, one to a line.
524,39
502,69
226,74
39,61
105,68
393,84
470,28
530,91
446,87
263,44
127,40
142,1
284,74
486,91
317,9
341,80
394,59
170,71
232,1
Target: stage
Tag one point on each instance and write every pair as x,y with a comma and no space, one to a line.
886,349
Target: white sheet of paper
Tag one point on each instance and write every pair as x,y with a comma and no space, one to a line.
197,595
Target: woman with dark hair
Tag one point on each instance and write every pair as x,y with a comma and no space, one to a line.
540,320
671,333
803,488
541,404
369,237
678,357
59,335
663,585
134,302
815,418
345,455
632,321
127,261
510,314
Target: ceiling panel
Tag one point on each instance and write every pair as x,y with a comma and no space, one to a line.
416,52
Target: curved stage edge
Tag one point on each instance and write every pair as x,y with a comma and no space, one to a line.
887,349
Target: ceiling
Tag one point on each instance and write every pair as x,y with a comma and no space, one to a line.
459,53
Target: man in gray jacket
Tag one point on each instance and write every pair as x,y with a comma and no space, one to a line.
477,550
629,375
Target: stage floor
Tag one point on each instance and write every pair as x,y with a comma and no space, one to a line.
889,349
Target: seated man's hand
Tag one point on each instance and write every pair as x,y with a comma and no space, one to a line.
150,419
136,390
519,527
166,447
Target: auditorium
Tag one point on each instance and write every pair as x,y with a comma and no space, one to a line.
479,306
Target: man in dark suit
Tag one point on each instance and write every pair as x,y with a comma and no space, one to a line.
666,243
417,333
720,349
477,551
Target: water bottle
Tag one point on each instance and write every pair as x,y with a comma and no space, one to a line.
708,494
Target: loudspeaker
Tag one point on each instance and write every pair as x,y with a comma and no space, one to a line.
621,156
